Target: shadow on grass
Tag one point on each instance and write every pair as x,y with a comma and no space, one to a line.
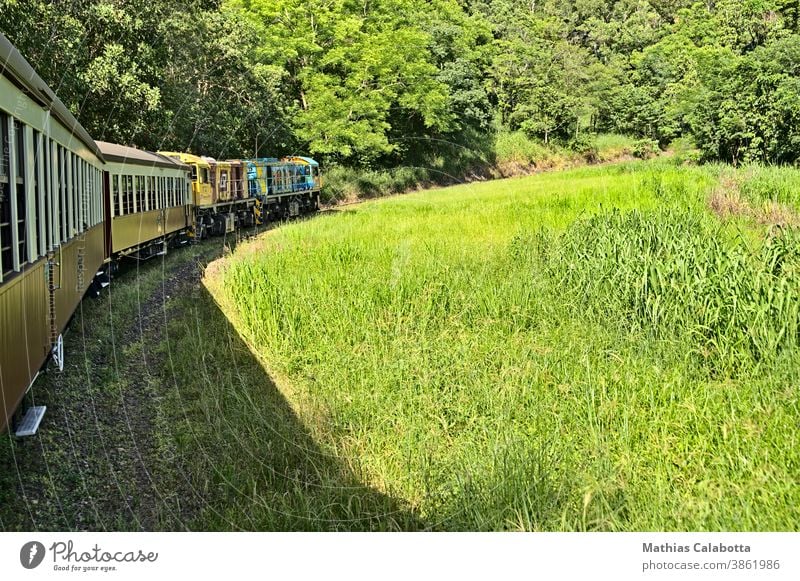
164,420
252,463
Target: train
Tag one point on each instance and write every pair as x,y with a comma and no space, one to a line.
72,208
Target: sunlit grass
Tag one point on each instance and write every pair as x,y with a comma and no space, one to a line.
581,350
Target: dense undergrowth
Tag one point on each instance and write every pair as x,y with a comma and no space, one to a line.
506,154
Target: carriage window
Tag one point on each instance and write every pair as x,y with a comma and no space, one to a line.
138,181
127,194
47,176
86,198
151,195
42,216
115,193
6,261
89,195
22,250
61,184
81,193
123,185
73,193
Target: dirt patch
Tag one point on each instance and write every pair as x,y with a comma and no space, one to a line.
726,201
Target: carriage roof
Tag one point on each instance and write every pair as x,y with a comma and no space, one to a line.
14,66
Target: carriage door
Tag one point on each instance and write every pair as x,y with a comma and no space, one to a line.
107,213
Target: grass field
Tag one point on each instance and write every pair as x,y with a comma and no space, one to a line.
600,349
608,348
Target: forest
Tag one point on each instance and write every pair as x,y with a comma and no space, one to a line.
375,84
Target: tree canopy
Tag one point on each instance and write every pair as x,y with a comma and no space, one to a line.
379,83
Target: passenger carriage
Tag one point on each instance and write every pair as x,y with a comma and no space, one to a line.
52,235
148,202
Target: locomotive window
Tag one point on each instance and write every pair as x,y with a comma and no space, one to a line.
203,175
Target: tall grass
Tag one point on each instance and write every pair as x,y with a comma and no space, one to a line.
586,350
677,274
761,184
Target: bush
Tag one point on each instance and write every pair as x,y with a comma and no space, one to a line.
586,147
341,184
646,148
516,147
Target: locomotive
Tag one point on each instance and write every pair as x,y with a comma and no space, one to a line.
71,207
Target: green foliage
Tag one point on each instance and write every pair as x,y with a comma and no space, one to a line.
376,85
515,146
343,184
645,148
